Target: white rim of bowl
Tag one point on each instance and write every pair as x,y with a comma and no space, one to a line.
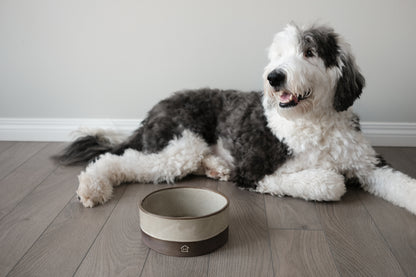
185,217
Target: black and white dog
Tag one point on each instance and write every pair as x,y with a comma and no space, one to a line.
298,138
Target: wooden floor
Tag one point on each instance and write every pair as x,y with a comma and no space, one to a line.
44,231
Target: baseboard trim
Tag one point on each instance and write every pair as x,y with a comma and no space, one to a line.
390,133
61,129
58,129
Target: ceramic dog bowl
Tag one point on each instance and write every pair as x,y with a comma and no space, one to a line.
184,221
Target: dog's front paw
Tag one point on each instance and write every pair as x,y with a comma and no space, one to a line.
93,191
216,168
221,173
309,184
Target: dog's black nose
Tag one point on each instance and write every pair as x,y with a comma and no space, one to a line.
276,78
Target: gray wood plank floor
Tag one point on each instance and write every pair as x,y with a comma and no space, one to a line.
44,231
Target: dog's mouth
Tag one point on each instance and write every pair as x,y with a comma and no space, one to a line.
289,99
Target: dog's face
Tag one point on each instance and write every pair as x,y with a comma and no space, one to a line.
311,70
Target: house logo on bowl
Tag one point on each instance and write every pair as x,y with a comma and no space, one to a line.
185,248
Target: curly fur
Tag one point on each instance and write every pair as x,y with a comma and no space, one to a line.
299,137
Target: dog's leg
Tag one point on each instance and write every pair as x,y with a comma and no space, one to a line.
392,185
181,157
309,184
214,167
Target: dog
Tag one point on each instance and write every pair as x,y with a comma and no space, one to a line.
299,137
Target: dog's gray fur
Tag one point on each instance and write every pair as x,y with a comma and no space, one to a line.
235,117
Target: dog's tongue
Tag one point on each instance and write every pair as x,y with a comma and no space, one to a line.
286,97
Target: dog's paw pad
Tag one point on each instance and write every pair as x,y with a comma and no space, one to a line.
222,174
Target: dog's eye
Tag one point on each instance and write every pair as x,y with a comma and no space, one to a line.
309,53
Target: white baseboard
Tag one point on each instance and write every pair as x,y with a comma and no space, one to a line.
44,129
58,129
390,133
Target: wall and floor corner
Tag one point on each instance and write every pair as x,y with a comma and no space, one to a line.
60,129
65,64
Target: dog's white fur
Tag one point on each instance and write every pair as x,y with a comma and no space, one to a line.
325,149
181,157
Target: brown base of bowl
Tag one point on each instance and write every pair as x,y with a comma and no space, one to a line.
185,249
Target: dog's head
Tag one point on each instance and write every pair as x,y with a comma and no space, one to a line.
311,69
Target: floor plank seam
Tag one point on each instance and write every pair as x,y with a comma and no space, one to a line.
269,236
145,261
294,229
382,235
99,232
40,183
41,234
22,163
208,262
327,242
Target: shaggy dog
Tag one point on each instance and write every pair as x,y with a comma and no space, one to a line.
298,138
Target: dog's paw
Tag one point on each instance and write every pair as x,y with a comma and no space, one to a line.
310,184
222,174
93,191
215,168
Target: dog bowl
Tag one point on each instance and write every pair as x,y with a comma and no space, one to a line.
184,221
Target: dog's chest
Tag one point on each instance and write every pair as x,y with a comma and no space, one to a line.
315,145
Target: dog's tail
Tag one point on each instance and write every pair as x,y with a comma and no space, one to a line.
90,144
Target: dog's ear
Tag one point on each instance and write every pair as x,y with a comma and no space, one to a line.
350,84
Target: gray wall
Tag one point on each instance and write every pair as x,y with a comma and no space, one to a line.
115,59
